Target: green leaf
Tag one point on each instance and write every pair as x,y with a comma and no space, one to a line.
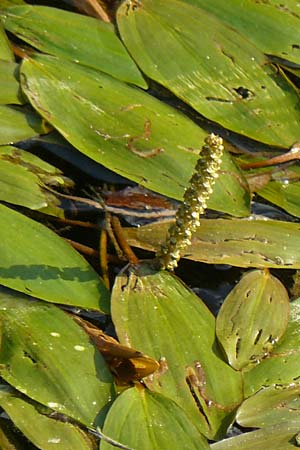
6,53
47,356
282,436
179,331
9,83
35,261
242,243
284,190
84,40
214,69
22,176
124,131
42,431
272,26
253,318
282,367
270,406
19,124
150,421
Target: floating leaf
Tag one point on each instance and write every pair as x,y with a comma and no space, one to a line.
150,421
36,261
273,27
19,124
282,366
125,132
213,68
6,53
10,86
22,176
41,430
76,37
242,243
282,436
253,318
284,190
48,357
270,406
179,330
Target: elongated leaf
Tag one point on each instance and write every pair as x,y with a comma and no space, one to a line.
285,191
157,314
282,366
6,53
22,178
19,124
272,26
270,406
131,133
282,436
253,318
214,69
20,187
150,421
34,260
76,37
48,357
242,243
9,92
43,431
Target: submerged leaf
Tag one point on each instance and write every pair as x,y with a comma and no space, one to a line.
253,318
156,313
150,421
34,260
48,357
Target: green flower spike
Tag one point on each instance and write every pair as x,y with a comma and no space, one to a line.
194,203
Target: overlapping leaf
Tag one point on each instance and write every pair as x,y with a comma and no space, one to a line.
48,357
274,27
131,133
36,261
41,430
242,243
281,367
213,68
178,330
150,421
82,39
253,318
19,124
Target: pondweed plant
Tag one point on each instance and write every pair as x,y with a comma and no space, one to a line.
179,377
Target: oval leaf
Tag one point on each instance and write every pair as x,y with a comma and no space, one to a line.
180,332
253,318
282,366
42,349
36,261
150,421
214,69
